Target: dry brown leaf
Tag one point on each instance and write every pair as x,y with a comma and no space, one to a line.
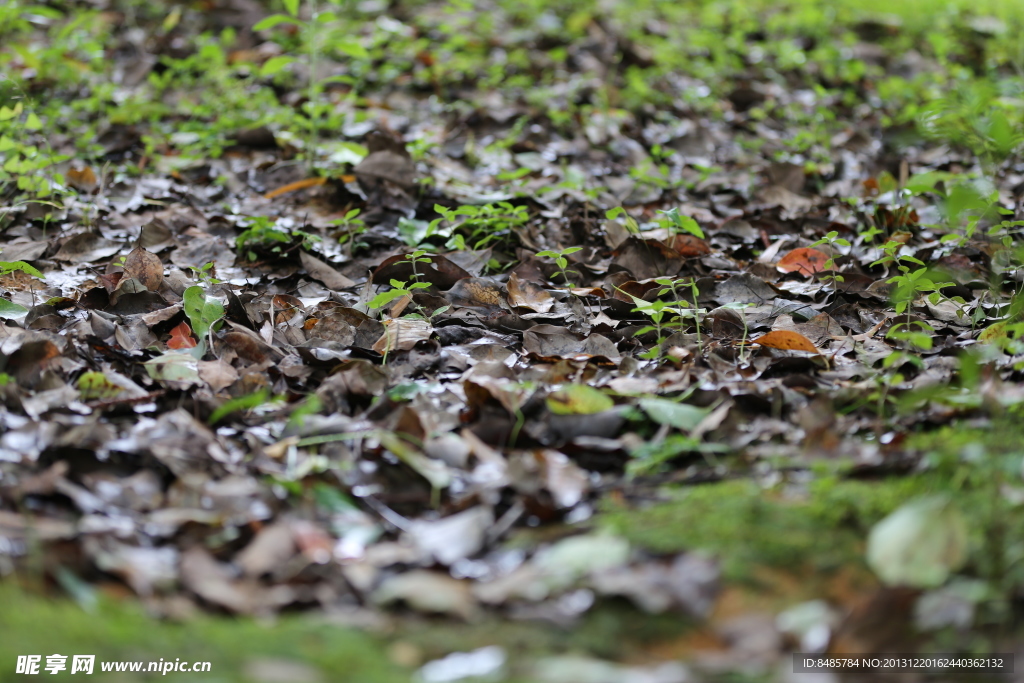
402,335
144,266
528,295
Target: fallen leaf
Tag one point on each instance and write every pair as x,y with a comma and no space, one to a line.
181,337
323,272
145,267
82,179
679,415
689,246
804,260
578,399
528,295
787,341
402,334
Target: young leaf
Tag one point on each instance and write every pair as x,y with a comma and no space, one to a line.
275,64
272,21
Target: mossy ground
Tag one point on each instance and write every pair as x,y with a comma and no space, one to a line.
116,630
809,531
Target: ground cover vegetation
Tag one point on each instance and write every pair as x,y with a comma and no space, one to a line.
537,341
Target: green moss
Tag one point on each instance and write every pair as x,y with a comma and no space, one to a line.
35,625
612,629
823,525
748,527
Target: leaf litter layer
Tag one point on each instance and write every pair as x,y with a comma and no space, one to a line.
515,313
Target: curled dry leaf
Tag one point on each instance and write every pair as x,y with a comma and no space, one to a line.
528,295
805,260
786,340
402,334
145,267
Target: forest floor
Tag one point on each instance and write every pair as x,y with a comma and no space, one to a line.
572,341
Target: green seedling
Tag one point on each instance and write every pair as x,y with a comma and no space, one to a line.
562,262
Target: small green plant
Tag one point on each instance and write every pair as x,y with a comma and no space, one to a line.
28,165
741,308
8,267
261,231
417,256
654,171
976,117
668,314
653,456
312,32
206,274
351,227
263,234
247,402
833,240
397,291
559,257
911,283
632,227
479,226
677,223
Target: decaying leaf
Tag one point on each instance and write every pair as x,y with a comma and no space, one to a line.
145,267
402,334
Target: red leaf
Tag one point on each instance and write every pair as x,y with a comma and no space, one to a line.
181,337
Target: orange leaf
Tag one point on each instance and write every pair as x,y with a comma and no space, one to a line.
83,179
804,260
181,337
787,340
297,185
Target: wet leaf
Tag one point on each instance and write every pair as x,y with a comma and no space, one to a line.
174,367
